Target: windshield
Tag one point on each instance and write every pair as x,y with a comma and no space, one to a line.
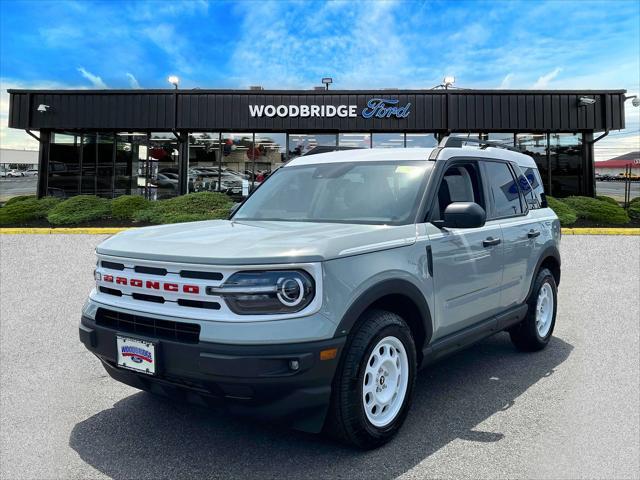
358,192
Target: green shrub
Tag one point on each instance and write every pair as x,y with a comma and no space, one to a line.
597,210
125,207
26,209
634,211
565,213
610,200
635,201
187,208
79,209
19,198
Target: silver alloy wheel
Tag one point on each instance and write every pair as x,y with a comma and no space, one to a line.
385,381
544,310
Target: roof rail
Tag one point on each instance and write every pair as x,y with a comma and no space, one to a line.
458,142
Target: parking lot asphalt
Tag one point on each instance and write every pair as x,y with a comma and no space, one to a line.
570,411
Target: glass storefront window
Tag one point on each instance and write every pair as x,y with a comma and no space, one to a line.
272,149
388,140
88,180
105,166
128,148
505,139
204,161
161,166
64,165
535,145
421,140
354,140
310,144
565,160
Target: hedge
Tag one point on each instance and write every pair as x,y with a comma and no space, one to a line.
634,211
26,209
187,208
80,209
610,200
19,198
126,206
565,213
597,211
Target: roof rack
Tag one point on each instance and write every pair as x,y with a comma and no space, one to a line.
457,142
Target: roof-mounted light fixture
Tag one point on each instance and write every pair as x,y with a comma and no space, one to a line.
586,101
173,80
327,81
448,81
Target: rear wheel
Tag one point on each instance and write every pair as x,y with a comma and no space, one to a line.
373,387
535,331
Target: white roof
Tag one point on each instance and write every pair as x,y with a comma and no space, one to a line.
364,155
402,154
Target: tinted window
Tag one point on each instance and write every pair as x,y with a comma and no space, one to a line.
358,192
503,190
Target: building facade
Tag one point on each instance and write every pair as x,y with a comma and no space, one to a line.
162,143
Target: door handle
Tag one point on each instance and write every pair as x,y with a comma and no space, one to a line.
533,233
490,242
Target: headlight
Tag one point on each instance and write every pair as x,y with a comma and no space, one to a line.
266,292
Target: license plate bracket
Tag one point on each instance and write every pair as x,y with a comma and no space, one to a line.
136,354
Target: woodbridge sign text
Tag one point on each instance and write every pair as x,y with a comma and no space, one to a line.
376,107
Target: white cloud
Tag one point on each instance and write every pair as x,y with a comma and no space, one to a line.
543,81
95,80
133,81
506,81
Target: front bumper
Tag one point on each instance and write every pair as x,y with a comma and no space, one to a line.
252,380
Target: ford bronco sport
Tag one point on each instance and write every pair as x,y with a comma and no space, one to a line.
317,302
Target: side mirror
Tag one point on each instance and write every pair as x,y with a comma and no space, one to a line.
234,209
463,215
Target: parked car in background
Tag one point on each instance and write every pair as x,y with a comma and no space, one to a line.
15,173
32,172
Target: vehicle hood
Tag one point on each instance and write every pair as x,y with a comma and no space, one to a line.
225,242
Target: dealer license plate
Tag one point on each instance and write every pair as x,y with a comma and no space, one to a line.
137,355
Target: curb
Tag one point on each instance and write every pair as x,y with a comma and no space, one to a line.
112,230
53,231
601,231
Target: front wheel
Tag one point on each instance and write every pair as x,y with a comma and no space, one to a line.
535,331
373,387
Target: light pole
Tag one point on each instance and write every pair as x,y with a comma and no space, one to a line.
327,81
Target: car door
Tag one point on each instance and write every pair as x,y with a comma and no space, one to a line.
467,262
521,231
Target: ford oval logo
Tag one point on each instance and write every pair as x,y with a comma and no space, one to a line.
136,359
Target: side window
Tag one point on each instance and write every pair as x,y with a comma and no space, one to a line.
460,183
503,189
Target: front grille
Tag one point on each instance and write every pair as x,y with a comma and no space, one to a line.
153,327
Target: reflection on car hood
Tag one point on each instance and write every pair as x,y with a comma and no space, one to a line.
227,242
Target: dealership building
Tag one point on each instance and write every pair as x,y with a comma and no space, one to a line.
161,143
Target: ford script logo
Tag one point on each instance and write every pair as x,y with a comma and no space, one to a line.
385,108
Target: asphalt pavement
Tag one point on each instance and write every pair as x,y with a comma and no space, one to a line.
14,186
570,411
616,189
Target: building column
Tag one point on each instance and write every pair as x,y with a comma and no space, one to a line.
183,163
43,163
588,159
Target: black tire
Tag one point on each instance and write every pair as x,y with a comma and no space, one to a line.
525,335
347,420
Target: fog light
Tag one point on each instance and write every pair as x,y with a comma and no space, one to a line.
294,364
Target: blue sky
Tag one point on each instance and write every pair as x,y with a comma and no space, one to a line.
510,44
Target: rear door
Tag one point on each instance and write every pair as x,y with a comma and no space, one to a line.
521,232
467,262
